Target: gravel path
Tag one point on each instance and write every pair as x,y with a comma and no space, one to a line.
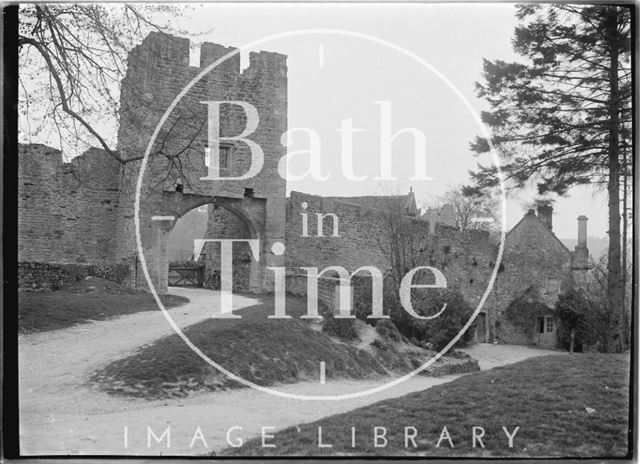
60,415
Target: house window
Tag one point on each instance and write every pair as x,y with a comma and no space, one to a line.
225,156
544,324
548,324
553,286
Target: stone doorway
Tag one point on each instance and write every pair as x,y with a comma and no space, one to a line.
481,328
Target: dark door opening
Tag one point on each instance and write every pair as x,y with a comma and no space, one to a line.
481,328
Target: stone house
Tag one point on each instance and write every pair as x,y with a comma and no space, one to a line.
536,267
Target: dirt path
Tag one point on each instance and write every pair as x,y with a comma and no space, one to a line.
61,415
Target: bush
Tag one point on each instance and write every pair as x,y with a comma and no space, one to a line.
380,345
523,310
440,331
388,330
344,329
577,313
361,288
422,344
435,333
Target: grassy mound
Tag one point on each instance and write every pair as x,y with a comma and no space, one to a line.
264,351
565,406
92,298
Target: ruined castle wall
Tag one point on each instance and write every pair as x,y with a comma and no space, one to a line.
67,214
359,243
360,231
466,260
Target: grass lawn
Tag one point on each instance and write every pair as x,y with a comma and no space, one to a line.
264,351
91,299
565,406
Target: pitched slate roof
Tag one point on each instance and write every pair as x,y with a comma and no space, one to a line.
531,214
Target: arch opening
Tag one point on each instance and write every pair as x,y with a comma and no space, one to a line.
212,219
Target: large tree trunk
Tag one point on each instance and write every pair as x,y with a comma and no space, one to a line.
614,285
625,301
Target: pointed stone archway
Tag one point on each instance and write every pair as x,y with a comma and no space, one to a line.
231,218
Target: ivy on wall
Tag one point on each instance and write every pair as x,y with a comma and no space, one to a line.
523,310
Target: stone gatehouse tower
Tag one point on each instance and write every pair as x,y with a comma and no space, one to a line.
158,70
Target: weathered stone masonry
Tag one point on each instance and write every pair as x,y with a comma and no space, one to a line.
67,217
158,71
533,259
466,260
76,218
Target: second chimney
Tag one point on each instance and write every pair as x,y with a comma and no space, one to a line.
582,231
545,214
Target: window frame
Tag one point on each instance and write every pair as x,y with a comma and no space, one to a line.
549,290
226,146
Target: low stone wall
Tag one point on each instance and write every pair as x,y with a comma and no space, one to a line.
34,276
448,365
296,284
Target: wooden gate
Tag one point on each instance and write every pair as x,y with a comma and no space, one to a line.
186,276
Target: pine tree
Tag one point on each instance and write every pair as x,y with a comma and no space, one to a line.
561,117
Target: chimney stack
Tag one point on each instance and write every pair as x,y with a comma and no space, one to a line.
447,215
582,231
545,214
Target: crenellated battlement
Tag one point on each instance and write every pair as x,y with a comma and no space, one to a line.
165,50
159,71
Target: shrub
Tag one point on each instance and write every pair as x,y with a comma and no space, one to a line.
422,344
583,316
441,330
437,332
344,329
388,330
361,288
523,310
380,345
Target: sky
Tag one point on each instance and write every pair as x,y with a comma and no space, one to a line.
351,62
335,77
